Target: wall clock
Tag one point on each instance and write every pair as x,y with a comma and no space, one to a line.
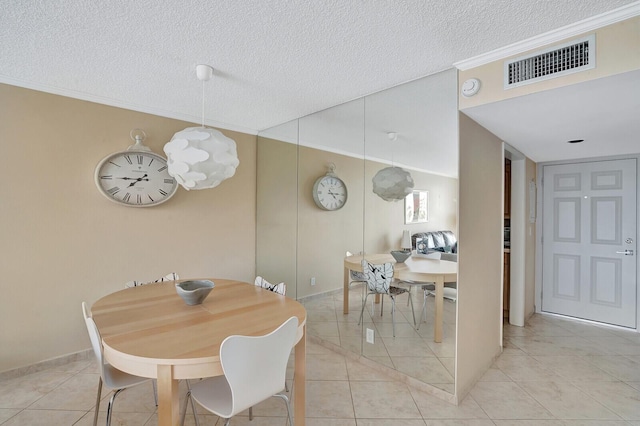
329,191
135,177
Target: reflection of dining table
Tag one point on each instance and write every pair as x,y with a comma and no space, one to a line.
416,269
149,331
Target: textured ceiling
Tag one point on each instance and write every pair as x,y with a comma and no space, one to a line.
275,60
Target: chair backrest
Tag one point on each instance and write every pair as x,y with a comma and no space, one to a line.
355,275
280,288
255,366
169,277
94,336
378,276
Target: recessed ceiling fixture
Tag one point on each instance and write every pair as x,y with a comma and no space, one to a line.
201,157
576,141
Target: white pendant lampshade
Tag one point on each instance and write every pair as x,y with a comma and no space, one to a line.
392,183
201,158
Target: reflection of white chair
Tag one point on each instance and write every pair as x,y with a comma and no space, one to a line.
280,288
379,279
254,369
355,276
169,277
450,290
109,375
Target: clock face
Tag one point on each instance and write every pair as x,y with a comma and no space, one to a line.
330,193
135,178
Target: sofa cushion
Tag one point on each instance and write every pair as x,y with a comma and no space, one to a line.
436,240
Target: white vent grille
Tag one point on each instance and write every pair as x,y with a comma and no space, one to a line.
579,55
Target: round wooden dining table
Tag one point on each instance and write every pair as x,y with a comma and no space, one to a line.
149,331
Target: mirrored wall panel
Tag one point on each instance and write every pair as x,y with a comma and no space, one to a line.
347,170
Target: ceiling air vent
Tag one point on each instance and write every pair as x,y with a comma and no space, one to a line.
578,55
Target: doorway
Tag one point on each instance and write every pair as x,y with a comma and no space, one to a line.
589,241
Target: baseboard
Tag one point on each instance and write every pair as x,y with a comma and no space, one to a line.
46,364
319,295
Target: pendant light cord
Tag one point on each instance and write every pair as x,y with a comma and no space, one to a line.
202,103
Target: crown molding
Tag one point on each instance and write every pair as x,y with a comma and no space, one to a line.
121,104
590,24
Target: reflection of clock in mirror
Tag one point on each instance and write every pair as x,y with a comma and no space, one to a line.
329,191
136,177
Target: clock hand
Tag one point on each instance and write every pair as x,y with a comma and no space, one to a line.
138,180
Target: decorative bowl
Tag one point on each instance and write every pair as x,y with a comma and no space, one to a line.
194,292
400,255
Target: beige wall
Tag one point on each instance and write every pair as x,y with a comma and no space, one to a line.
277,212
480,253
616,52
324,236
61,242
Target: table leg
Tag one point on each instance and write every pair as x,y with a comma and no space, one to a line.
345,297
300,374
437,326
168,397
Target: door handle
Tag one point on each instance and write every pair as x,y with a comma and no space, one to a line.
626,252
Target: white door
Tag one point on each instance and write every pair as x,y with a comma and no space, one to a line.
589,241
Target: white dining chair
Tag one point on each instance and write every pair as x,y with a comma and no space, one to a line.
110,376
254,368
280,289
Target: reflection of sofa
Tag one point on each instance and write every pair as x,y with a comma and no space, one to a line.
444,242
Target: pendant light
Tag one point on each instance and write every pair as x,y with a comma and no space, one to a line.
392,183
201,157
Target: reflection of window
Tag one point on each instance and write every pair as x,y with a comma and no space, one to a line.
416,207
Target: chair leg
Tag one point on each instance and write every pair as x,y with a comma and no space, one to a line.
423,313
184,409
155,391
110,406
381,304
393,314
362,310
250,413
412,311
286,401
95,416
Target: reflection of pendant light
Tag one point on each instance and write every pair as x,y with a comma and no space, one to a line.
200,157
392,183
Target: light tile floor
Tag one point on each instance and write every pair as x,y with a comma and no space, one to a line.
412,352
553,372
